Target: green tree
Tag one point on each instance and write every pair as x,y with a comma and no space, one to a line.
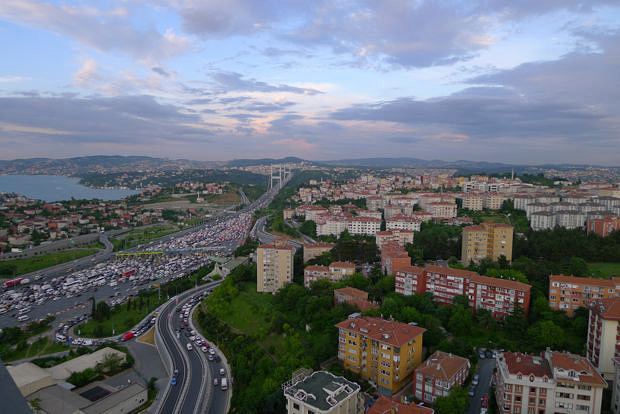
546,333
455,402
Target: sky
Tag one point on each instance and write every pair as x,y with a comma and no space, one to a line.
520,81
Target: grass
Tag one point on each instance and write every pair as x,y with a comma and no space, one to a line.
148,337
604,269
40,347
141,236
227,198
18,267
249,311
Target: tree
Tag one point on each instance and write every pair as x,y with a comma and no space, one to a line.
308,228
455,402
102,311
546,334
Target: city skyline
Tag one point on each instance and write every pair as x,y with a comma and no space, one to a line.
529,82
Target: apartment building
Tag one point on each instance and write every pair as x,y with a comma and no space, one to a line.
410,280
442,209
569,293
335,271
313,250
400,237
542,220
274,266
487,240
354,297
554,382
437,376
615,394
603,226
473,201
385,405
382,351
365,226
603,344
322,393
331,225
393,256
403,222
499,296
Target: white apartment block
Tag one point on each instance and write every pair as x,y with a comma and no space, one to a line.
274,266
552,383
365,226
442,209
403,222
322,393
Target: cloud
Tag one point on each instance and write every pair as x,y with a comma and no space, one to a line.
258,106
12,79
79,121
296,145
234,82
105,30
86,73
160,71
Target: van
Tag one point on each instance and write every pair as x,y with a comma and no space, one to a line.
23,318
224,383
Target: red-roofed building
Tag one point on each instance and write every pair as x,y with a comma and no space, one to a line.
393,256
438,375
410,280
354,297
385,405
554,382
335,271
400,237
603,226
569,293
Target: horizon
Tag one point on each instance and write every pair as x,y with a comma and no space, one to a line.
517,83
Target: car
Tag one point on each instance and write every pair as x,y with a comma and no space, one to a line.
204,349
222,372
189,347
216,382
472,391
484,401
475,380
173,381
481,355
210,357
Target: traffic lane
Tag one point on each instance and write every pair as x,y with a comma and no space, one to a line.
219,398
485,371
174,391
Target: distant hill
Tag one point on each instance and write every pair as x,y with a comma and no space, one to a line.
263,161
97,163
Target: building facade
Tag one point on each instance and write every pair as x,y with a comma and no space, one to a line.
384,352
603,344
487,240
569,293
438,375
554,382
274,266
313,250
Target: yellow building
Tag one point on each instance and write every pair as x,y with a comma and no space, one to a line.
381,351
487,240
274,266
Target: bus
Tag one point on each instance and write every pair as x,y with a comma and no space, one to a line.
23,318
24,311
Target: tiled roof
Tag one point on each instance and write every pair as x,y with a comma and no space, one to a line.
347,265
526,364
590,281
442,365
390,332
607,308
586,373
352,292
385,405
503,283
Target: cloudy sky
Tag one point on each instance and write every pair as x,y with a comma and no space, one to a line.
526,81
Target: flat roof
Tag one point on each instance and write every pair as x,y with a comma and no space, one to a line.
12,400
322,390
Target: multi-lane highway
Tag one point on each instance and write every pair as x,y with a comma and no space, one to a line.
194,390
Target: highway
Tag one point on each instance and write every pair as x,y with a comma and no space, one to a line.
194,391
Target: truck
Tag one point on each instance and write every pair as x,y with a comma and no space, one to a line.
127,336
224,384
13,282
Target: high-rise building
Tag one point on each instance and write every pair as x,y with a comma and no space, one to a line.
554,382
569,293
603,335
274,266
384,352
323,392
487,240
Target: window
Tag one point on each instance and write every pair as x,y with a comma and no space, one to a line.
296,406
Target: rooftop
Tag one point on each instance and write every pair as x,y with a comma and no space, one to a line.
385,405
526,364
442,365
351,291
590,281
389,332
347,265
322,390
64,370
12,400
607,308
582,368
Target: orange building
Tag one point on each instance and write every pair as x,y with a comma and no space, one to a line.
393,256
568,293
385,405
603,226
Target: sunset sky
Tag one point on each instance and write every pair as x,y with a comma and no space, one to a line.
529,81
